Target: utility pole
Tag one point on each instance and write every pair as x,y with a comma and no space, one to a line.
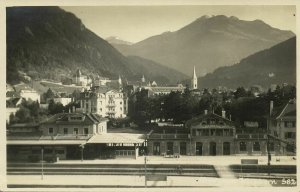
42,151
268,137
145,163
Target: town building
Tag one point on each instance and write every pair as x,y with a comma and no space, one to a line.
103,101
80,79
70,136
12,106
283,128
209,135
63,100
30,94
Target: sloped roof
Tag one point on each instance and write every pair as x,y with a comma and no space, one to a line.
289,111
197,120
13,102
126,138
64,118
12,94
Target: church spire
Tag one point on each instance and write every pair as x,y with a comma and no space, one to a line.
194,80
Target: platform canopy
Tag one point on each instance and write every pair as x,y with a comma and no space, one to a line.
118,138
45,142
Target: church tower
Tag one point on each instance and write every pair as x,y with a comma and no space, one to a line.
143,79
194,80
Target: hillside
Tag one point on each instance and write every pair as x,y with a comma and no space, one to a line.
208,43
50,43
276,65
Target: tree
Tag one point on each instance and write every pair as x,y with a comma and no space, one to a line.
55,108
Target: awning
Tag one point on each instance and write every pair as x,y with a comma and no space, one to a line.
45,142
118,138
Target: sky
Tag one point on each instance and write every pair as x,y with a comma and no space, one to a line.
136,23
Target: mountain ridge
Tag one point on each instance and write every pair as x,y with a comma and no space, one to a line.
48,42
276,65
208,43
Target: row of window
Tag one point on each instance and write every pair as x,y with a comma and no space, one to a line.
290,124
212,132
212,147
66,131
255,146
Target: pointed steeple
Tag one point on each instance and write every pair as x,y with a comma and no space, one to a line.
143,79
120,80
194,81
194,76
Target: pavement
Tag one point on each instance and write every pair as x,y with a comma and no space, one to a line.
130,181
211,160
221,164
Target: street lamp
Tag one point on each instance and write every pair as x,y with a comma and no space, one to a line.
268,136
145,163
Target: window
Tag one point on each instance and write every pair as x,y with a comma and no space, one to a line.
65,131
86,131
50,130
289,124
205,132
243,146
47,151
290,135
75,131
271,146
219,132
120,102
212,132
100,109
226,132
121,108
59,151
194,132
256,146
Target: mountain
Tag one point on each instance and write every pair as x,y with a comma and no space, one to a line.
208,43
50,43
276,65
116,40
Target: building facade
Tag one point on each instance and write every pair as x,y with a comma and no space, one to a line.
70,136
283,128
210,135
104,101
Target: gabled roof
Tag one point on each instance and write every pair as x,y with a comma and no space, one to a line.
289,111
197,120
12,94
65,118
13,102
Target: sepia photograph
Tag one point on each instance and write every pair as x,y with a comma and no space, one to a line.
148,96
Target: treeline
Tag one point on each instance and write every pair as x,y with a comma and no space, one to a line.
33,112
240,105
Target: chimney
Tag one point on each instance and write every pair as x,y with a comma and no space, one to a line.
73,109
205,111
223,114
271,108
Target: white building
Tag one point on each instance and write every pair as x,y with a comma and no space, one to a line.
63,100
30,95
104,101
80,79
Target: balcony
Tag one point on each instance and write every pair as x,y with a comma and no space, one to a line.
168,136
251,136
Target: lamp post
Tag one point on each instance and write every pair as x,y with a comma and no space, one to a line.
145,163
82,147
268,138
42,151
